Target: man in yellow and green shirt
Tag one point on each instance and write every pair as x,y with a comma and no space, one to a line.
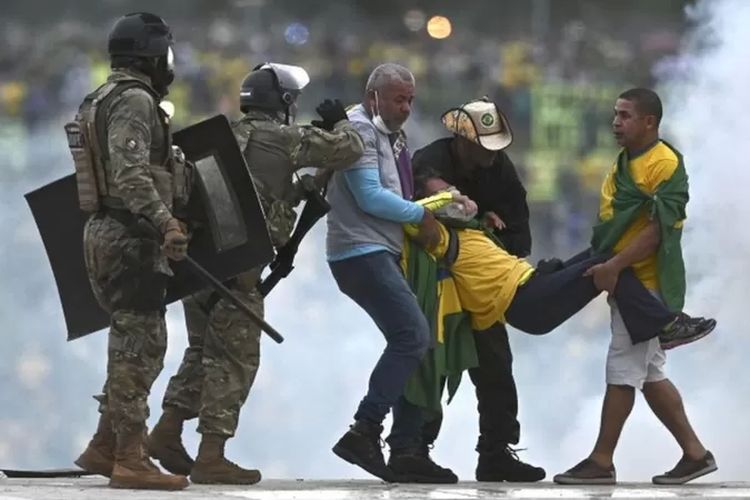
641,214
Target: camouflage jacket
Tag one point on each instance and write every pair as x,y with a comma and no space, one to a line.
275,151
139,147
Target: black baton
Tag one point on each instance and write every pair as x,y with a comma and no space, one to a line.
225,293
217,285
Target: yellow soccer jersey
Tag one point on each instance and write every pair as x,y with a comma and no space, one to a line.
648,170
486,276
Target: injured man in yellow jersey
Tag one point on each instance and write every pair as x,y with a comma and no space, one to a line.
493,285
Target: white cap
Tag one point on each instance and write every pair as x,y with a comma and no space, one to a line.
480,121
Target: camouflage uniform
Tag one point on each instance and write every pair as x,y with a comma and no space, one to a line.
126,268
222,359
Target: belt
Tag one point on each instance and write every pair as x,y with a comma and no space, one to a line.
132,222
121,215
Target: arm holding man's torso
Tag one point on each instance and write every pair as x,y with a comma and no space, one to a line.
374,181
495,189
507,199
640,241
367,204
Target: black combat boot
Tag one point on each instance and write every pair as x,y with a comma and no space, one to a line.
502,464
361,446
414,465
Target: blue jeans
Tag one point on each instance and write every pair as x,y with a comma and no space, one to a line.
375,282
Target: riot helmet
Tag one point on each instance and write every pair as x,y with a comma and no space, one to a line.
143,41
274,88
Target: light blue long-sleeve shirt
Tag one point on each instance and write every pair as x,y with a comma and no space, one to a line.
367,205
374,199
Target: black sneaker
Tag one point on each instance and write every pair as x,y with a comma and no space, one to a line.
587,472
685,330
362,446
414,465
504,465
687,470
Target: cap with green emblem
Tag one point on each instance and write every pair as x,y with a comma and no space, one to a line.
480,121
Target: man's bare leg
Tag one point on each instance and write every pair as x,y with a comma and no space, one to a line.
618,403
666,403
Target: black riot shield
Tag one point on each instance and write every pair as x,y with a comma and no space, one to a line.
232,236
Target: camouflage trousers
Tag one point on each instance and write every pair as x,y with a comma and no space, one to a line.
221,360
128,276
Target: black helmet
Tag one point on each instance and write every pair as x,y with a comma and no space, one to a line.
143,41
272,87
140,34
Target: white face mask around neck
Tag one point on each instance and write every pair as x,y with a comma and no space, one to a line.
378,121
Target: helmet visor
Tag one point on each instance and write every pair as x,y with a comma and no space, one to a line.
290,77
170,59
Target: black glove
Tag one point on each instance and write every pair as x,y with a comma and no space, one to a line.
332,112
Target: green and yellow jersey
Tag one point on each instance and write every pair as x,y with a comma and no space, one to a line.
486,277
648,170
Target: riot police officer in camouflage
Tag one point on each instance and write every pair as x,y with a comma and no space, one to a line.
221,362
127,175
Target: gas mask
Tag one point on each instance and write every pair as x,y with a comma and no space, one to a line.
163,74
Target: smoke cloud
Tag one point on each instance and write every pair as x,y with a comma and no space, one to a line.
308,388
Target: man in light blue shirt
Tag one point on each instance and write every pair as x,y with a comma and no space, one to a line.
369,203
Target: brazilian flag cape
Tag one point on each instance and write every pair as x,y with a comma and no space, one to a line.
453,348
667,205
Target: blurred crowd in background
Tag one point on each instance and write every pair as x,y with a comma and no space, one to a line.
554,68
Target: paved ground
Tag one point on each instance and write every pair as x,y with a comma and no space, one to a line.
96,489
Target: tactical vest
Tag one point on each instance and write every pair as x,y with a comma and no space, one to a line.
88,144
268,158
